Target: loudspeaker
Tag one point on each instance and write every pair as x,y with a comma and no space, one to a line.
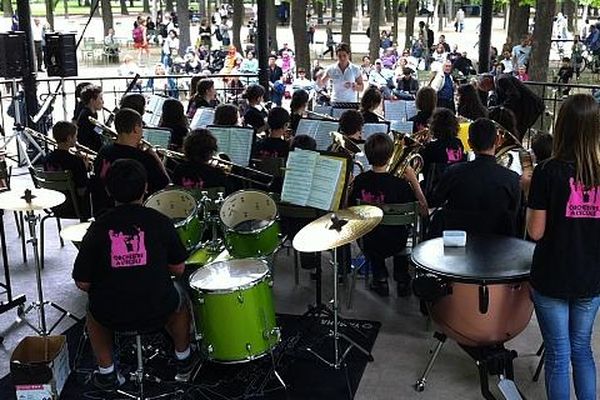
13,63
61,54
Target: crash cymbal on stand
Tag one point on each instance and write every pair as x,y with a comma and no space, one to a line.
337,228
30,199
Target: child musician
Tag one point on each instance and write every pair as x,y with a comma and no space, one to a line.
195,174
377,186
60,159
92,101
125,265
255,113
274,145
563,217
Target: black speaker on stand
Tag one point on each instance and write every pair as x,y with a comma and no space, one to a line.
61,54
13,63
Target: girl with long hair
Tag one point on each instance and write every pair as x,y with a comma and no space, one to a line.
174,118
563,217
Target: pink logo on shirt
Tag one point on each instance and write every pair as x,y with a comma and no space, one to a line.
372,198
583,203
192,184
127,250
453,155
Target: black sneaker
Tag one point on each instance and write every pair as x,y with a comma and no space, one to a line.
381,288
186,368
107,382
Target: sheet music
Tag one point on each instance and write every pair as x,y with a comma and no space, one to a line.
307,127
361,157
322,135
327,174
411,109
236,142
298,176
337,112
323,109
158,137
394,110
202,118
369,129
402,126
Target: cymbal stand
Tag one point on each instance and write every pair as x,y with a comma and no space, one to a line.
39,305
211,216
339,356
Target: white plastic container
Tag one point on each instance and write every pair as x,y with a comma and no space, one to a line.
455,238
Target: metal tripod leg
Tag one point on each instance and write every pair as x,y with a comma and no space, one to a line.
420,384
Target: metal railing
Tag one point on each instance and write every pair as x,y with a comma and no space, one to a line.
113,87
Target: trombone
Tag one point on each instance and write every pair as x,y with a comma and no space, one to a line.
312,114
229,168
111,134
78,150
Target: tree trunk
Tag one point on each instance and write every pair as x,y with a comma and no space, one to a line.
50,12
107,15
8,8
146,6
96,8
388,11
374,10
333,10
299,28
168,5
86,3
272,27
202,9
319,11
124,10
538,65
66,6
518,22
395,16
238,21
411,14
183,14
570,11
348,11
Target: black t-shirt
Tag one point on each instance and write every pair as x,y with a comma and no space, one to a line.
271,148
86,132
255,118
437,155
566,261
125,256
275,74
62,160
479,196
178,134
370,117
157,178
196,176
382,188
294,121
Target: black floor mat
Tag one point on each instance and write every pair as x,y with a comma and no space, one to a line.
305,376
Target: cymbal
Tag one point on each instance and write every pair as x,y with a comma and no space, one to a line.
75,233
41,199
353,223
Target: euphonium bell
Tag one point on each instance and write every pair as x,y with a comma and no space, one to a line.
406,152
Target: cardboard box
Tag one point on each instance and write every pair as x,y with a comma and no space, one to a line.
39,367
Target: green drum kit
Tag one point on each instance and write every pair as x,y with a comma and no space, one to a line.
229,241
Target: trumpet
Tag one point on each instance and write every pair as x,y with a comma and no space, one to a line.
79,149
229,168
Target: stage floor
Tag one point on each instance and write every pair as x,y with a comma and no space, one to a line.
401,349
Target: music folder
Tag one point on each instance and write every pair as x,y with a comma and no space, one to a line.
202,118
316,179
235,141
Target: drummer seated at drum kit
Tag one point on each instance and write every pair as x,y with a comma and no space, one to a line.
125,264
195,173
376,187
478,196
274,145
128,124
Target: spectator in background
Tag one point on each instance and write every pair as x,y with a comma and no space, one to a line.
224,31
111,47
459,23
302,82
366,67
406,85
521,52
37,30
285,49
151,30
386,40
330,43
443,84
565,74
577,56
507,62
14,23
389,58
140,41
444,44
427,34
464,65
382,79
585,29
170,48
275,81
522,73
205,34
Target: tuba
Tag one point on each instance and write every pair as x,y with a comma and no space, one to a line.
406,152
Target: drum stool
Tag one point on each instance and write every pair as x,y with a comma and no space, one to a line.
140,375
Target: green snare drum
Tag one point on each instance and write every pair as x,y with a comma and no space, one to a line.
233,307
251,226
182,208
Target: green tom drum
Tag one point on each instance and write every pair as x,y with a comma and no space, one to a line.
233,304
251,225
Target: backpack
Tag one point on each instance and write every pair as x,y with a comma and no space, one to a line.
138,35
218,34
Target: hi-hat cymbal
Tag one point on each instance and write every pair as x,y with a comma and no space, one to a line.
75,233
41,199
353,223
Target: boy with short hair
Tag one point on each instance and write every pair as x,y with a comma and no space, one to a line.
274,145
